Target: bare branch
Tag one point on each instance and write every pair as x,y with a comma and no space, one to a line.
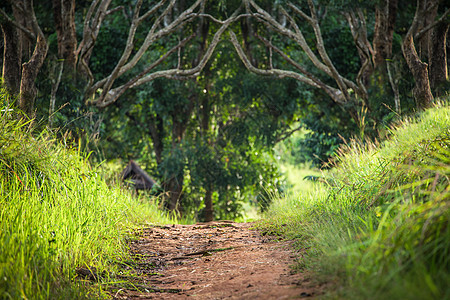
415,22
111,11
298,11
55,85
316,81
152,11
37,29
91,28
86,28
321,62
291,21
161,17
30,34
296,36
359,33
220,21
323,53
179,58
152,36
90,37
124,64
111,95
419,34
335,94
208,53
120,90
394,85
126,53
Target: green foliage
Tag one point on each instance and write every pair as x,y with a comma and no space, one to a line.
328,124
216,131
57,214
324,126
379,227
238,115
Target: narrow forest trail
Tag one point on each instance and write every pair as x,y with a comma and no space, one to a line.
218,260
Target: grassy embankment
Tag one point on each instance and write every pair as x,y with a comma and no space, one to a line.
58,214
379,227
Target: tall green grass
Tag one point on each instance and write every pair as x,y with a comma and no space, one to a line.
58,214
379,228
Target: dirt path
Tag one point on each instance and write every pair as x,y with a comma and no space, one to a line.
219,260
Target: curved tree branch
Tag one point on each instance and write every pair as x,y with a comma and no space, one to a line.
334,93
319,57
419,34
125,63
111,95
29,33
419,69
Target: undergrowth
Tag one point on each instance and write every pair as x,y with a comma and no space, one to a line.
378,227
57,214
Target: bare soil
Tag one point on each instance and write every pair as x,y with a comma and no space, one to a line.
217,260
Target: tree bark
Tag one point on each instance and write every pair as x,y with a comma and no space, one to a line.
131,56
424,43
419,69
55,85
438,57
422,90
27,29
25,43
30,71
64,16
11,58
385,16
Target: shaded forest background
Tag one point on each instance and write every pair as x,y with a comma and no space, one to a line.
200,93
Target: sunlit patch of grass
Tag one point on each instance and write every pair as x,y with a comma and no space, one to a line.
378,226
58,214
301,179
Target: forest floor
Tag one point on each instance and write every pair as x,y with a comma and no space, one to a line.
217,260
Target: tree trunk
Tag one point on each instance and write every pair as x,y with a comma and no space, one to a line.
438,57
64,16
25,45
209,211
11,58
175,187
422,90
30,71
156,130
20,43
424,43
385,16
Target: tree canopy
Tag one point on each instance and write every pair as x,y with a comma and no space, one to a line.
201,91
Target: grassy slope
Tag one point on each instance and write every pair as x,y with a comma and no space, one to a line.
57,214
379,228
